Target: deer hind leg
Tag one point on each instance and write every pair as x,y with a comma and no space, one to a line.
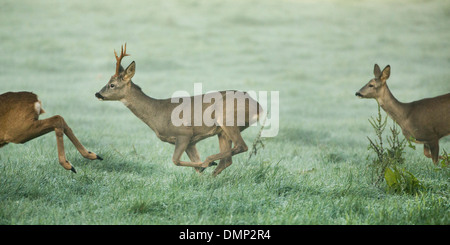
225,145
41,127
57,124
85,153
426,150
61,153
233,133
434,148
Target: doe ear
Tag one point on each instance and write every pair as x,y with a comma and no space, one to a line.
129,72
377,71
386,73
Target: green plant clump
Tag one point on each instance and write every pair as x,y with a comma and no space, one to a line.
386,165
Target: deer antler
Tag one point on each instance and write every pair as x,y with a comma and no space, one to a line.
123,53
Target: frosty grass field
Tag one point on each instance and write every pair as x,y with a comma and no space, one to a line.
317,54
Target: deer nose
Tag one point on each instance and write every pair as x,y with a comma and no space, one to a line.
98,95
358,94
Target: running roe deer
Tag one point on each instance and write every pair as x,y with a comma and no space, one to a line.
156,113
19,123
426,120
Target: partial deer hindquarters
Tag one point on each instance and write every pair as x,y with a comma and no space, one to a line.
19,123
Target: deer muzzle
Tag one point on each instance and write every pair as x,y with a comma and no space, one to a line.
99,96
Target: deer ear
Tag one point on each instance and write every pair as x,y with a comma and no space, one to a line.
377,71
129,72
386,73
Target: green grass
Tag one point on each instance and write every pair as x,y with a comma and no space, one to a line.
316,53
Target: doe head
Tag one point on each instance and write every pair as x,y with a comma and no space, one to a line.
375,86
120,83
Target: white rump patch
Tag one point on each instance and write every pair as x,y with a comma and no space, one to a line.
38,107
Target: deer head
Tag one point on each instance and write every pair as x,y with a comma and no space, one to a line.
120,83
374,88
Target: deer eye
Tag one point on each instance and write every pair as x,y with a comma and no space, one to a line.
371,86
112,85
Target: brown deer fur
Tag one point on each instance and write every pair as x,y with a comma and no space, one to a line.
19,123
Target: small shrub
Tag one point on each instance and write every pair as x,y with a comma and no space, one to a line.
256,142
388,159
445,161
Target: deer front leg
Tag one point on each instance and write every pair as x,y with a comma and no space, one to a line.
192,152
181,145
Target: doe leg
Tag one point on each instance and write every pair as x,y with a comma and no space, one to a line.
434,148
85,153
426,150
61,153
41,127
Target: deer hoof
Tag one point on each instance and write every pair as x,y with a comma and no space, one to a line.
73,169
206,164
93,156
200,170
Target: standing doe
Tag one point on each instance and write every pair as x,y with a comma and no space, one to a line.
157,114
426,120
19,123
